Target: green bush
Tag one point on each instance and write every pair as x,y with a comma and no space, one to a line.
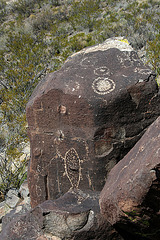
25,7
80,41
3,11
21,66
153,53
84,13
12,174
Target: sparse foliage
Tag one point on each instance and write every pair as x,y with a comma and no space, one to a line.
12,174
84,14
153,53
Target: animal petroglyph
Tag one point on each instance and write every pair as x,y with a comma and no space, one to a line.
102,85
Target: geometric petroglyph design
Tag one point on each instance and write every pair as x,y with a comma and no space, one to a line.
103,85
88,61
72,161
72,167
125,61
143,71
102,71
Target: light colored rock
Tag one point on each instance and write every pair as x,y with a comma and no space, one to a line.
12,198
26,152
115,42
62,225
50,237
24,191
4,209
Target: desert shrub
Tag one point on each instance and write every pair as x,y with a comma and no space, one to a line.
21,65
80,41
83,14
12,174
25,7
153,53
47,19
42,20
55,2
3,11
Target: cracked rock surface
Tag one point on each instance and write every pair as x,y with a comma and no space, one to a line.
130,199
62,218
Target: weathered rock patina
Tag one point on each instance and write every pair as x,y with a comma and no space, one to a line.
130,199
75,215
83,118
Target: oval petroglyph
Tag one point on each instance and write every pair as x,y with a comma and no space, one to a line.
103,85
101,71
88,62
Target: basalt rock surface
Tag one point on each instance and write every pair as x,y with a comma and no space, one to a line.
83,118
130,199
73,216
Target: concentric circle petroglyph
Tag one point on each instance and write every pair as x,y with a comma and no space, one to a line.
103,85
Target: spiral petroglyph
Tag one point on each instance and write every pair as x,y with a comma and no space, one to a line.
102,85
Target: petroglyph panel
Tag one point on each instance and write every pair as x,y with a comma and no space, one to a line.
88,93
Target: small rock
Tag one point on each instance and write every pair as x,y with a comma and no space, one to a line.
3,209
48,237
24,191
12,198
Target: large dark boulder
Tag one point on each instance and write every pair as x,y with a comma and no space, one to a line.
83,118
130,199
75,215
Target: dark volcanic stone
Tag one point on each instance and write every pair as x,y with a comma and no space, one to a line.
65,217
24,227
85,117
130,199
73,216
